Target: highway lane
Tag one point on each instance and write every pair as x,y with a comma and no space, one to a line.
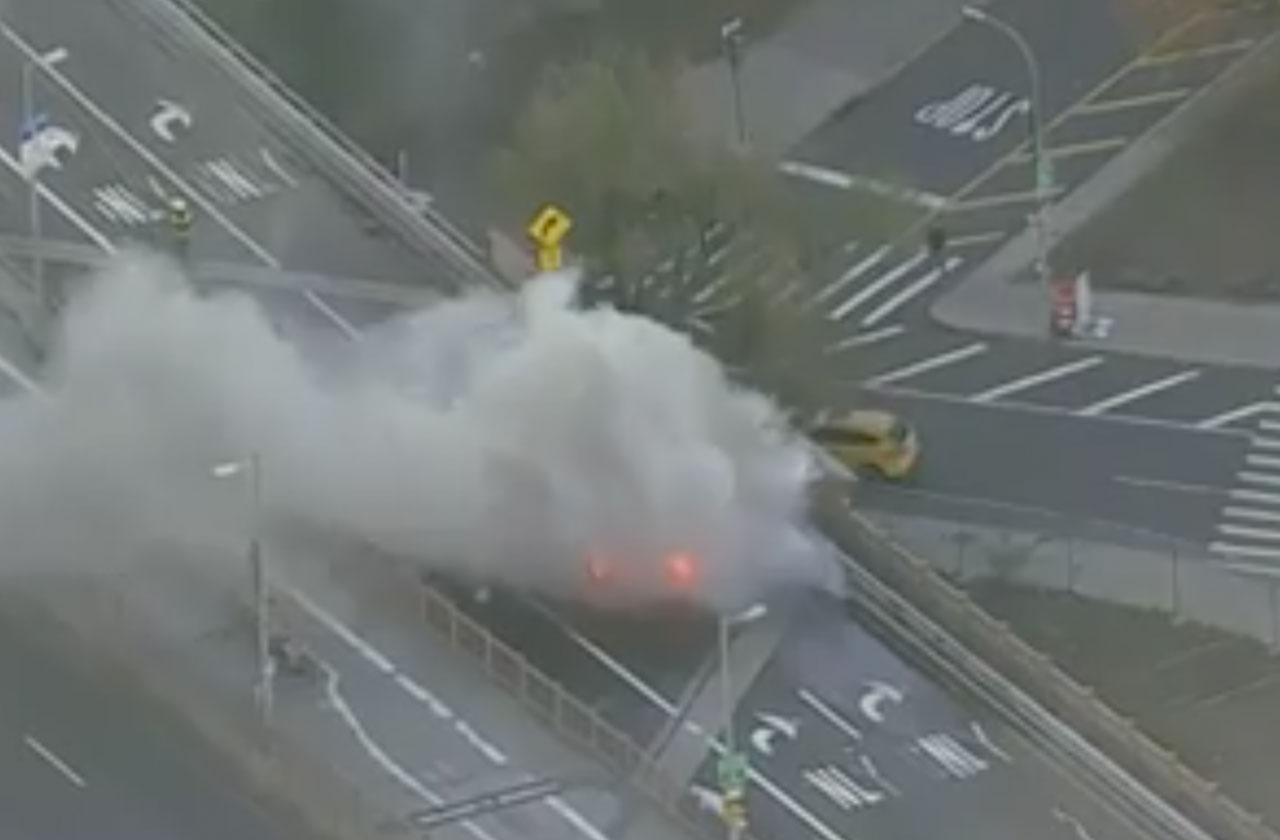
84,756
260,199
868,745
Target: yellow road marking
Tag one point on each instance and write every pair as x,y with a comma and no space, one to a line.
1159,97
1208,51
1086,147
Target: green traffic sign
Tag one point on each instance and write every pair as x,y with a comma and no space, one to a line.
731,771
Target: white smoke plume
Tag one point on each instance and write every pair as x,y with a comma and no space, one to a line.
502,439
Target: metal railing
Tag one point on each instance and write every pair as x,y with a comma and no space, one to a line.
1063,717
424,225
568,717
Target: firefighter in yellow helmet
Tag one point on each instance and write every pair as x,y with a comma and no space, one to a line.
180,221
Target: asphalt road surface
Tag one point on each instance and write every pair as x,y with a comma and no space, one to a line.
108,48
83,756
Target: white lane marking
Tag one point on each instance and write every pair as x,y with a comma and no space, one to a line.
986,202
1135,394
419,693
855,271
23,381
829,714
495,755
1249,532
575,819
906,294
406,779
1088,147
1268,462
1265,443
1258,497
845,181
1242,413
139,148
971,240
56,202
667,707
951,357
1252,477
366,650
1253,514
1031,381
1232,550
329,312
1048,411
1269,425
1076,826
879,284
983,738
54,761
1176,486
863,339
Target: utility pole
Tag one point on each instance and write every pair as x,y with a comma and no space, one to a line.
732,39
733,766
1040,161
29,65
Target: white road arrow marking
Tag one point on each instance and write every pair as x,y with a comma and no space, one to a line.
167,115
772,726
42,144
877,695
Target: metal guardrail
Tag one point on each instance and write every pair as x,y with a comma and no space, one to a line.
426,227
1059,714
575,722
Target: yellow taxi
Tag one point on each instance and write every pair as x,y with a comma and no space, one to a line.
876,440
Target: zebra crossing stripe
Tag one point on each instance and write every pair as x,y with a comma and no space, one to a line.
879,284
859,268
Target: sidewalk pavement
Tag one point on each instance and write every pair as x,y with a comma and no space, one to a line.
1000,297
828,53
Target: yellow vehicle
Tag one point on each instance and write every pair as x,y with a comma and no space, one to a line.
877,440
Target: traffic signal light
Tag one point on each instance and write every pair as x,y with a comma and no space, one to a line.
733,810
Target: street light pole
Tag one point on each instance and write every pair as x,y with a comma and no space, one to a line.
726,691
263,689
1043,175
46,59
731,38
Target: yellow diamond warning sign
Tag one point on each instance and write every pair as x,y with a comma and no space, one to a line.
549,226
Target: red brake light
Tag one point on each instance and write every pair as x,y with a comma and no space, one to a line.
682,569
599,569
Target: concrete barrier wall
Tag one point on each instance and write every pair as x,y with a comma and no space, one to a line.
1101,742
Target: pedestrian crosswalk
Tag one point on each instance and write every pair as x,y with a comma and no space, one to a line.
1248,526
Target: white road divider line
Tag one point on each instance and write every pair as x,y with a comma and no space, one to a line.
907,294
829,714
1266,479
972,240
1135,394
1258,497
1261,552
1244,412
1104,106
54,761
1249,532
1054,373
416,690
878,285
863,339
1269,425
1267,462
932,363
332,314
23,381
150,158
668,708
1254,514
858,269
1265,443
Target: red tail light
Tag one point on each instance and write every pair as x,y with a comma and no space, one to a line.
682,569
